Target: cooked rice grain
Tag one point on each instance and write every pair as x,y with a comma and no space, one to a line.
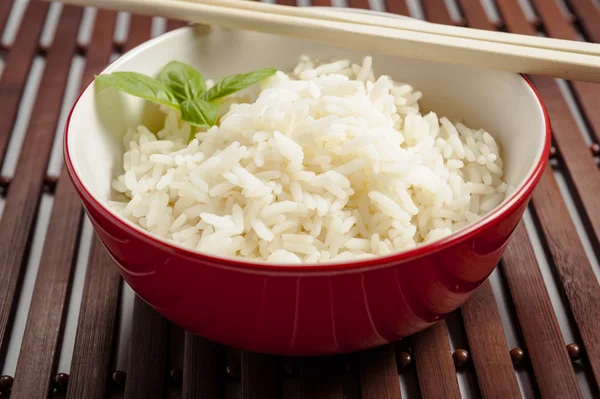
326,164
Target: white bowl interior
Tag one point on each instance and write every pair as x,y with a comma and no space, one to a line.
502,103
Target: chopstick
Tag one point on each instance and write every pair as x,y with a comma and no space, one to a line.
414,25
375,39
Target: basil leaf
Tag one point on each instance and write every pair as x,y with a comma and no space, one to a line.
231,84
199,113
141,86
184,81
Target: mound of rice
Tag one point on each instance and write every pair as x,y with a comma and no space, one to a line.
324,164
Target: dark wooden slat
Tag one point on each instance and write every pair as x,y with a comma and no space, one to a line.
570,261
139,31
320,379
363,4
25,191
287,2
174,24
46,314
203,368
493,365
554,20
379,374
589,15
98,315
147,362
45,320
514,18
435,368
5,7
397,7
321,3
16,70
545,346
475,14
260,376
436,11
96,328
41,341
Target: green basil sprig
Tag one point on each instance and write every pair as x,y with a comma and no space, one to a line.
198,112
185,81
140,85
230,84
182,87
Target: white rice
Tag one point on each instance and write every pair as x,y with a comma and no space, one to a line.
325,164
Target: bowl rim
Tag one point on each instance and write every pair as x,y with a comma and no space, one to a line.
510,204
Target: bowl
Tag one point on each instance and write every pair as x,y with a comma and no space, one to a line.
306,309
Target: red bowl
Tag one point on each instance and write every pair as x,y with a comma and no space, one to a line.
307,309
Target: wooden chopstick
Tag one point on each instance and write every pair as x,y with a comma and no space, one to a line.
375,39
410,25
